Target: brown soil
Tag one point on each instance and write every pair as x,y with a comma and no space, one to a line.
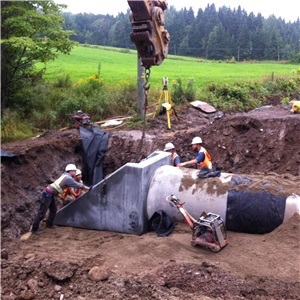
72,263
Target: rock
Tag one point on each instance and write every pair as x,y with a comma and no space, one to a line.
96,274
32,284
57,288
27,295
59,271
29,256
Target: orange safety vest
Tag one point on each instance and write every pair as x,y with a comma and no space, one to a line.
78,192
207,159
66,192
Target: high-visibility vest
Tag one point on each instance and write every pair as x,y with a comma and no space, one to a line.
207,159
174,155
56,184
78,192
66,192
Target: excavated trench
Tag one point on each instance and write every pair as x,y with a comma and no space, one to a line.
64,262
246,143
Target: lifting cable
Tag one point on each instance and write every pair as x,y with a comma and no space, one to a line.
146,87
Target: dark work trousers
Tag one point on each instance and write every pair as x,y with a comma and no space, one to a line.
47,202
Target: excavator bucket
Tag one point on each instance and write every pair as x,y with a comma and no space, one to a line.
148,32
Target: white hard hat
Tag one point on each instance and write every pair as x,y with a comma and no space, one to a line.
196,140
169,146
78,172
71,167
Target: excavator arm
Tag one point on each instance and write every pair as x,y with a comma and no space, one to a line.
148,33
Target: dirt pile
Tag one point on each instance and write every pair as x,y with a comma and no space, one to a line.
58,264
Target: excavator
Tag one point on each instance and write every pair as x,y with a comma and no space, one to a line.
150,38
148,33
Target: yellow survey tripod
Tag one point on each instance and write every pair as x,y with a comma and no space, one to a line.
166,102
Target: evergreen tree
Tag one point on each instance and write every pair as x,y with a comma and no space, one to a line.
274,42
244,42
219,43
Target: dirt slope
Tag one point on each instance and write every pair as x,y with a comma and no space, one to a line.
57,264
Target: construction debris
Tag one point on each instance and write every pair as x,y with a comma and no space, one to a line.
203,106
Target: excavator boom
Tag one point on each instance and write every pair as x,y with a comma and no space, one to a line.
148,33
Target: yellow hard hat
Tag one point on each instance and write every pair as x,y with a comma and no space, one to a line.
296,107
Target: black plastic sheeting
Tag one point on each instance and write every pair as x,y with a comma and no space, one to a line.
206,172
94,142
161,223
249,212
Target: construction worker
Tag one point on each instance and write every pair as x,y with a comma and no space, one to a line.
202,156
49,193
72,193
78,177
169,147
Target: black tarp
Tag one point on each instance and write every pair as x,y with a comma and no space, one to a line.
206,172
161,223
94,142
249,212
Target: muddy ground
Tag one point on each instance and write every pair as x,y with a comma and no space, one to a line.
72,263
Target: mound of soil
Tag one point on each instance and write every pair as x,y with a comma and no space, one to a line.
72,263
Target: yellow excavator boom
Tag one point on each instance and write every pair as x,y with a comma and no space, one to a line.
148,33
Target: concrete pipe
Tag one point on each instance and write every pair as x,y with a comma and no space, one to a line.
247,203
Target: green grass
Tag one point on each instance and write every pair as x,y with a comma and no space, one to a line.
118,66
71,85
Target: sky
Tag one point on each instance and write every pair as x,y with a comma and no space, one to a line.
286,9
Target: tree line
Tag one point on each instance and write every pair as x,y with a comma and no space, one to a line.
210,34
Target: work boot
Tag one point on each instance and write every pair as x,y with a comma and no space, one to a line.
37,232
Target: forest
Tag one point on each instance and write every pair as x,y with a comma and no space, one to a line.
221,34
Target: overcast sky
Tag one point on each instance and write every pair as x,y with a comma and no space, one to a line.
287,9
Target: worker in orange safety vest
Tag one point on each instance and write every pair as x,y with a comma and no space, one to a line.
47,201
71,193
202,158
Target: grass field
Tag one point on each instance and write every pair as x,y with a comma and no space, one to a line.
119,65
71,85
